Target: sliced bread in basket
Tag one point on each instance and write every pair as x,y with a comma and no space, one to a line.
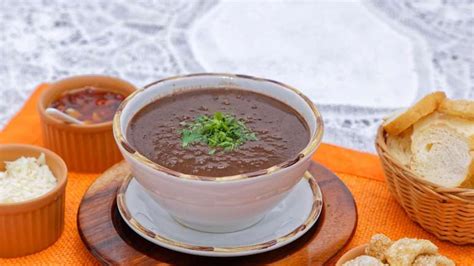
435,139
401,121
441,153
436,186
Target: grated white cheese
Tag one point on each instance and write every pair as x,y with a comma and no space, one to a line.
25,178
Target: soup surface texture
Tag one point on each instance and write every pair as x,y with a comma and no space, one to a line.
155,131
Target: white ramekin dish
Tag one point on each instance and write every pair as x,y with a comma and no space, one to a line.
218,204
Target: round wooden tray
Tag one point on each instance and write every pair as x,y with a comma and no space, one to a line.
111,241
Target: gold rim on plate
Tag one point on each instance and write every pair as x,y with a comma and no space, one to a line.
313,216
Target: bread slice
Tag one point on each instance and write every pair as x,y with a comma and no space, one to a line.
463,126
428,104
460,108
441,154
400,146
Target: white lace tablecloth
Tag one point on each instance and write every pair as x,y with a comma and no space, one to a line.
357,60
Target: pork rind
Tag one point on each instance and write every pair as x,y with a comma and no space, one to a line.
378,244
403,252
433,260
364,261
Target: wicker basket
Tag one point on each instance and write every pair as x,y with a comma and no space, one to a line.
448,213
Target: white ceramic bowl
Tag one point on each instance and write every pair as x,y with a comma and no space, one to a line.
218,204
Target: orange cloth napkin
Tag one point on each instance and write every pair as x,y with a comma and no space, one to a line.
361,172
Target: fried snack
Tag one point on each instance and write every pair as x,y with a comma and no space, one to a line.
378,244
403,252
433,260
364,261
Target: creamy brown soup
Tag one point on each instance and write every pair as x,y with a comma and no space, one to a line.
156,132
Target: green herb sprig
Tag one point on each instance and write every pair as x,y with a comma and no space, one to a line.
217,131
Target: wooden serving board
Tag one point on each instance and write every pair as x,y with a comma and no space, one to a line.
111,241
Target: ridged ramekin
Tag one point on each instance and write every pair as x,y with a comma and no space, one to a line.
30,226
85,148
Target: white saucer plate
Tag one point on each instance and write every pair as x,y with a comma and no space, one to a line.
285,223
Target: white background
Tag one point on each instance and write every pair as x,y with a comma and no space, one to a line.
357,60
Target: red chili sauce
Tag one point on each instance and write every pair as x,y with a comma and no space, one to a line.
89,104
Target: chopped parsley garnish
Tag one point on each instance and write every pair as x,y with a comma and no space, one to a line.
217,131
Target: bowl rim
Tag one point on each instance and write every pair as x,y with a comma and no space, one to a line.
41,106
31,203
312,145
352,254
